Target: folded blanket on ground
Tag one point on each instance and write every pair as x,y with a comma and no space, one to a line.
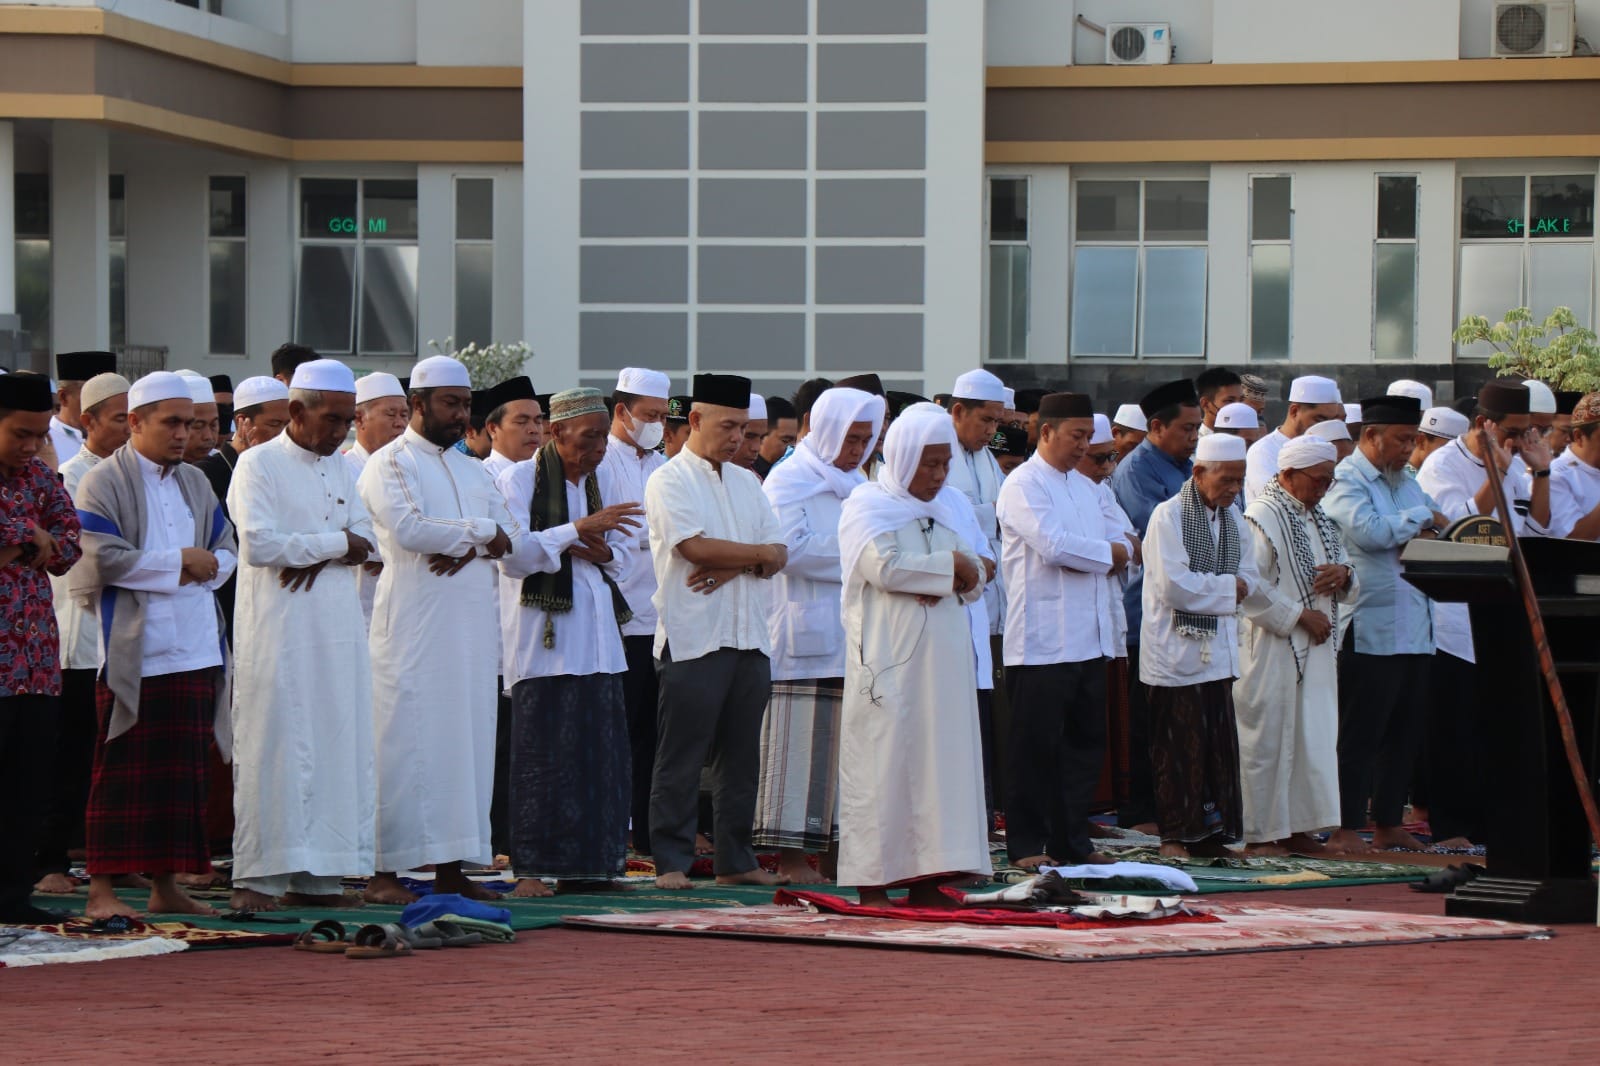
450,905
1166,876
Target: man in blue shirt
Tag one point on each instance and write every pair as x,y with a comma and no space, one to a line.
1384,664
1149,475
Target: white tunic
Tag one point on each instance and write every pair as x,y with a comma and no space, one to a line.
587,640
434,643
1261,463
1167,657
303,791
64,439
806,625
80,629
910,756
1288,725
366,584
1574,492
977,476
629,471
1056,545
1118,583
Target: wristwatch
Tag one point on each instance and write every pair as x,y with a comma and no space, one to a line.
1542,473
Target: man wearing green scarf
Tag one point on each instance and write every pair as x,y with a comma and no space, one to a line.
561,617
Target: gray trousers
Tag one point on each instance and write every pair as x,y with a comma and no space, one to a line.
710,706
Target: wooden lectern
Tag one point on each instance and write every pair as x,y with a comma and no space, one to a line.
1537,840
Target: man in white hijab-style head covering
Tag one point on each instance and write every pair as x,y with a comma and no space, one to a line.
799,749
911,803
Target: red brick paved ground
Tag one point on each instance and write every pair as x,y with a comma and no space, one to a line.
568,996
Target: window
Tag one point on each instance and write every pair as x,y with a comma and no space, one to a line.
1139,268
32,222
1008,268
118,248
1394,269
474,261
1526,241
1271,257
357,290
228,278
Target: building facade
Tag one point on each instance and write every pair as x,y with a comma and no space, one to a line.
1102,193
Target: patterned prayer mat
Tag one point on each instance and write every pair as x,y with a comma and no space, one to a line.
35,946
1244,927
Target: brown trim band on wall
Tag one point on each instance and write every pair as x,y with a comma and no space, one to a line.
1291,149
1099,75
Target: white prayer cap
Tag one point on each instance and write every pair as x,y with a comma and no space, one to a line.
440,372
376,386
979,385
1330,430
1444,422
1129,416
1407,387
1313,389
1541,401
159,385
1220,448
252,392
1011,400
758,407
638,381
1237,416
1102,431
1306,450
1352,413
102,387
200,390
323,375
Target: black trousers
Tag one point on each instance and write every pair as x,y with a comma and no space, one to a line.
1141,805
1058,743
639,695
1453,770
1382,708
500,796
27,749
68,788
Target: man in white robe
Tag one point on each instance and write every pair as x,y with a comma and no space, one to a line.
514,424
1286,701
440,523
1575,476
303,784
381,415
1312,399
911,805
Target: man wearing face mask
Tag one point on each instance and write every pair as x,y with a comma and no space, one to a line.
639,408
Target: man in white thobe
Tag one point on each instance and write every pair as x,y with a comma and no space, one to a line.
1286,701
381,415
440,523
73,369
1312,399
514,424
1575,476
303,785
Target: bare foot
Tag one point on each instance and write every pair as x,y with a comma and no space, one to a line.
758,876
338,900
874,897
385,888
1147,828
248,899
793,865
926,894
1266,850
531,888
502,862
703,845
1172,849
103,902
1453,843
1212,847
131,881
210,879
56,884
1304,844
465,888
673,881
167,898
1347,842
1387,837
1033,862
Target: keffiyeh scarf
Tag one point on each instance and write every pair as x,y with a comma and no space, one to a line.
1205,555
1303,566
552,593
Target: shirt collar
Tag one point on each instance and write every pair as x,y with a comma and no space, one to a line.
419,441
152,470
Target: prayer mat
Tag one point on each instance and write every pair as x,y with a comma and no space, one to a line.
192,931
1252,874
38,946
1242,928
824,903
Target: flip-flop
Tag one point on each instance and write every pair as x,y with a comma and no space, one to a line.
324,938
387,941
448,933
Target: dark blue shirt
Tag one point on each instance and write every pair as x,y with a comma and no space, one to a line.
1148,476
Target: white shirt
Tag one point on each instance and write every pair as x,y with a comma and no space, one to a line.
629,471
497,464
357,457
1167,657
80,629
807,624
1261,463
65,439
1118,583
587,640
686,498
1056,536
180,621
976,475
1574,492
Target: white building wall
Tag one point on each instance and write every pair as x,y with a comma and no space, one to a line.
436,291
80,265
469,33
353,31
1315,31
1028,33
550,188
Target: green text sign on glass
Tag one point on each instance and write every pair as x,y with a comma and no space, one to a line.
348,225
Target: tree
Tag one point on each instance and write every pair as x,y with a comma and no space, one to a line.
1523,348
489,365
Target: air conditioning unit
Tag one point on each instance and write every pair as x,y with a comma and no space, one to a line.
1138,43
1534,29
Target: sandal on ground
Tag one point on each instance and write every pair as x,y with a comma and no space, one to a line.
387,941
324,938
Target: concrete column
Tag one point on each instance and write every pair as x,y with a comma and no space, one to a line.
436,268
8,220
80,220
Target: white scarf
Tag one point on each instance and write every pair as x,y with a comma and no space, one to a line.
810,471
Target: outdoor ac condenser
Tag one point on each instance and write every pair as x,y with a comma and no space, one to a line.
1138,43
1536,30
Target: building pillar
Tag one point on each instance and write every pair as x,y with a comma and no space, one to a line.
80,224
8,220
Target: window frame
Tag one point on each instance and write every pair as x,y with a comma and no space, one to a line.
359,241
1415,241
457,242
989,244
242,239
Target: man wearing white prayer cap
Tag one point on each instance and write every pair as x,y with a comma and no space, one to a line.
1440,426
303,682
1198,570
1336,433
440,524
1312,399
1407,387
1241,420
1541,406
1286,699
203,433
1128,428
639,407
977,403
755,431
1352,417
381,416
155,548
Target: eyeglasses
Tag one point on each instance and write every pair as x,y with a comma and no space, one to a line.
1101,458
